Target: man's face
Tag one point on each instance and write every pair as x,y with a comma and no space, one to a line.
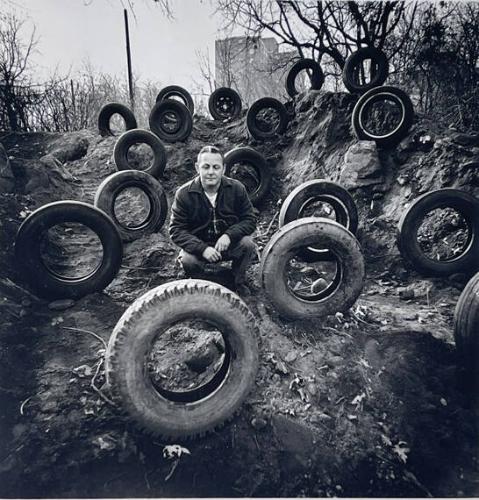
210,169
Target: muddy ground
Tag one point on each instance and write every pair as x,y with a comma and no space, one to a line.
365,403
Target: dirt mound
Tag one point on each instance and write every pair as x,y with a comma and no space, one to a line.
358,404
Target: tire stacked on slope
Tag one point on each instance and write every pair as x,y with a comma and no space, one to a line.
256,127
464,204
175,415
317,76
140,136
224,104
466,335
177,92
365,104
111,109
254,159
352,65
171,120
46,282
312,232
321,190
111,187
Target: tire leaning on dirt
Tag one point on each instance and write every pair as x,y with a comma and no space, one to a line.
377,94
319,190
114,184
162,111
108,110
321,233
198,411
466,330
140,136
317,76
172,91
257,107
378,57
258,162
465,204
224,104
49,284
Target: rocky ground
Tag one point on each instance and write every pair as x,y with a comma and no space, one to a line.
365,403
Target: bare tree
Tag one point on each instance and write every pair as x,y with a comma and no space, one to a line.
16,90
316,28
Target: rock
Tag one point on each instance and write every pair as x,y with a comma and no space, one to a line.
334,361
297,443
7,179
361,166
72,147
61,304
203,354
291,357
406,293
318,285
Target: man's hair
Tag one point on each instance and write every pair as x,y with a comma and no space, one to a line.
210,149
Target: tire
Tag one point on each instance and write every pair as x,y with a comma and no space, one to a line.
259,105
163,111
172,91
108,111
466,328
319,190
114,184
139,136
311,231
174,415
224,104
355,59
407,242
377,94
49,284
317,76
258,162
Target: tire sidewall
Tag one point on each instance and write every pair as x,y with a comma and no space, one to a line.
256,107
114,184
410,222
134,336
27,249
139,136
184,115
396,135
258,161
285,244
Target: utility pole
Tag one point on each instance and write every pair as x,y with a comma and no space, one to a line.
128,58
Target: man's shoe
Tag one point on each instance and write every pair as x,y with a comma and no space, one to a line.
242,290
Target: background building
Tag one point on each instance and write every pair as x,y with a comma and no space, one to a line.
253,66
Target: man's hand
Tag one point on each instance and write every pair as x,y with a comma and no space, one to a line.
211,254
223,243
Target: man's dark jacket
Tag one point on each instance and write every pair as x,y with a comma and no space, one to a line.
193,217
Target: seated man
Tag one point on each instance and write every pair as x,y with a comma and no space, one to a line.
212,218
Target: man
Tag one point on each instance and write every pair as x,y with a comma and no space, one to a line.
212,220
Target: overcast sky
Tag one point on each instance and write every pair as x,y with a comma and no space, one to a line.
163,50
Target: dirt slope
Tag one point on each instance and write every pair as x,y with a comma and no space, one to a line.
361,404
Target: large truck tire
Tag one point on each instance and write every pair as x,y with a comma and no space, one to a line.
182,414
